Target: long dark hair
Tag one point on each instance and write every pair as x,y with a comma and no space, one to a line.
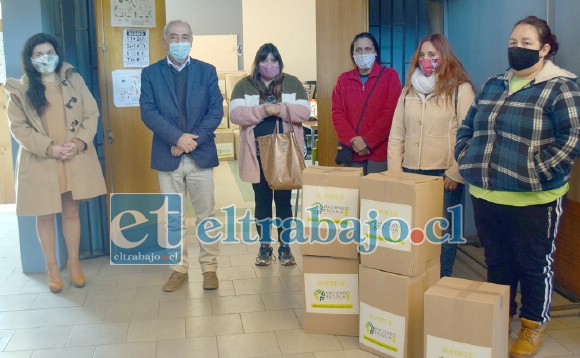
545,35
36,89
275,87
450,71
369,36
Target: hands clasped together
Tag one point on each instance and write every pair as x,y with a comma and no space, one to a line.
272,109
64,151
360,146
186,144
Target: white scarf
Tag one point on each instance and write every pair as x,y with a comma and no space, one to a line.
422,83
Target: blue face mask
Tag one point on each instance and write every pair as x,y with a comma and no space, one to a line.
179,50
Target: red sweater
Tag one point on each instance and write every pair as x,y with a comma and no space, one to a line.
348,97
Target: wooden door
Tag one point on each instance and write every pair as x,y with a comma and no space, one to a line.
127,139
337,22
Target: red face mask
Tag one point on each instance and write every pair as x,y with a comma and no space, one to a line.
428,65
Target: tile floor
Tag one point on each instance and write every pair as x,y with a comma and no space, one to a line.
122,312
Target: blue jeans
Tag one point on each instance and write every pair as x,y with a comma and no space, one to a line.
450,198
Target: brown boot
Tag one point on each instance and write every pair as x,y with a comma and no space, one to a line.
529,339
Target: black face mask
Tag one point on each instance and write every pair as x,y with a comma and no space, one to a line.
521,58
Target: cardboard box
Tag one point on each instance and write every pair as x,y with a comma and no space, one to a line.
331,295
465,318
391,311
226,108
236,143
416,199
222,86
334,190
231,79
224,141
224,124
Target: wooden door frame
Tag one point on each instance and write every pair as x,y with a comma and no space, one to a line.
337,22
127,142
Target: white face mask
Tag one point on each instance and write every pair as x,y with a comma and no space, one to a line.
365,61
179,50
45,64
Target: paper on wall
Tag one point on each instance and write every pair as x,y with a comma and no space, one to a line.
126,88
133,13
135,47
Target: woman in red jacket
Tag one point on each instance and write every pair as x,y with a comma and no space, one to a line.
365,128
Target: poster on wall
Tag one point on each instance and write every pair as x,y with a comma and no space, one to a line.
135,47
126,88
133,13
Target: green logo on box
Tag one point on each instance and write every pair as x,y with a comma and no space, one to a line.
319,295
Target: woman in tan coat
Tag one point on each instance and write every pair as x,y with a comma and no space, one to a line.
54,118
433,103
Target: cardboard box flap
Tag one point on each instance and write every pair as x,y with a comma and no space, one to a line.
473,291
404,177
402,187
331,176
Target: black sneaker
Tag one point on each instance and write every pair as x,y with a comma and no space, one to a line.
285,256
264,257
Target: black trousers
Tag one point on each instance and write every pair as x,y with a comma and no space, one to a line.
263,197
519,243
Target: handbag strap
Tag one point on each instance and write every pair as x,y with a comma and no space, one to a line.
362,112
280,120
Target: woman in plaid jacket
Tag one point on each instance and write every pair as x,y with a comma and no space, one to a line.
515,148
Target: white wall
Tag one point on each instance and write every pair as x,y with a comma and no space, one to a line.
290,25
209,17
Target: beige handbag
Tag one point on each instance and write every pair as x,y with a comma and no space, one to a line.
282,158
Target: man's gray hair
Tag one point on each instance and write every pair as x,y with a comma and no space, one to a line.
173,22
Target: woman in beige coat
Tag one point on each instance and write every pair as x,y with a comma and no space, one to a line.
435,100
54,118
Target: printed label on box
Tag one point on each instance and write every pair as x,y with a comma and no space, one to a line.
388,232
446,348
382,331
333,203
225,150
331,293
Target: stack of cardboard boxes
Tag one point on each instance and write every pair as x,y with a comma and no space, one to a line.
394,300
228,132
398,262
330,267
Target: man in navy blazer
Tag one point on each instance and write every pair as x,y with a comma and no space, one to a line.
182,104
